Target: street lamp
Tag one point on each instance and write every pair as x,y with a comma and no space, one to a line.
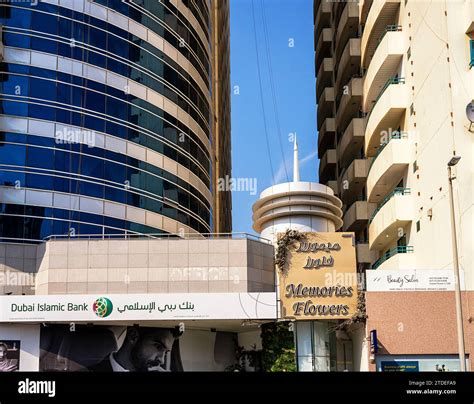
457,284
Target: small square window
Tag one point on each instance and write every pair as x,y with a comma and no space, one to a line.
412,109
409,53
418,226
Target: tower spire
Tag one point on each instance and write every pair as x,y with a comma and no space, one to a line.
296,166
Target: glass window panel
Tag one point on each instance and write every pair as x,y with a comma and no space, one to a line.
42,112
12,154
40,157
11,178
304,345
44,45
116,194
46,228
16,17
60,227
15,108
16,40
44,23
43,89
12,226
89,229
91,189
39,181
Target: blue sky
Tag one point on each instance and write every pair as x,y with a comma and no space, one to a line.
288,22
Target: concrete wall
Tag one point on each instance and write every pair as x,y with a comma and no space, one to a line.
418,323
150,266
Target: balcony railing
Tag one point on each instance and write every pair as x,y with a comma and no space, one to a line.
389,254
396,191
393,135
152,236
390,81
389,28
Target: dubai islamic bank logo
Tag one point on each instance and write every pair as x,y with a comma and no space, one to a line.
102,307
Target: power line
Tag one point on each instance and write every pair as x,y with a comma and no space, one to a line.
261,90
272,86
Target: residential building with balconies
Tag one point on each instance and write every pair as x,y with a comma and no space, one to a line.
339,93
401,78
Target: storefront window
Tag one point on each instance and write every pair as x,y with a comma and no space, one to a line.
316,346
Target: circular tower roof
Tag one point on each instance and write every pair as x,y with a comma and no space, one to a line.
296,199
307,206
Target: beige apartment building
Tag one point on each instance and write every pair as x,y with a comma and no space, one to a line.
394,80
221,121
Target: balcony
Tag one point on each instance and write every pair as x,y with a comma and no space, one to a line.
322,18
389,165
347,26
353,180
349,63
351,142
326,135
349,105
394,212
324,76
364,254
400,257
389,109
381,14
326,104
333,185
364,8
323,47
357,216
316,4
385,64
327,166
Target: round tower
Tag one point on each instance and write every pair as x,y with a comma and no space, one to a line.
296,205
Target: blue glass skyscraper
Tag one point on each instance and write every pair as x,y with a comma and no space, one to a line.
107,121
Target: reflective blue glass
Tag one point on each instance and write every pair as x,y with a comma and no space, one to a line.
41,163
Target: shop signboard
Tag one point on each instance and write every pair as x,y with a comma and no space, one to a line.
418,363
400,366
96,308
319,280
412,280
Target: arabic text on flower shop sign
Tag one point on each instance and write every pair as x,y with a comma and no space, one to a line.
306,290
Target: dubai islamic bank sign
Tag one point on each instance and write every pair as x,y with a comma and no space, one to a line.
321,278
118,307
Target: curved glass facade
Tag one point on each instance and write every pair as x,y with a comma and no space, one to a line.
106,118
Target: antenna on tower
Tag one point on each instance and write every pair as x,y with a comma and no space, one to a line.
296,166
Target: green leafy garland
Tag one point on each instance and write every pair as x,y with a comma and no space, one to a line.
284,244
360,315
